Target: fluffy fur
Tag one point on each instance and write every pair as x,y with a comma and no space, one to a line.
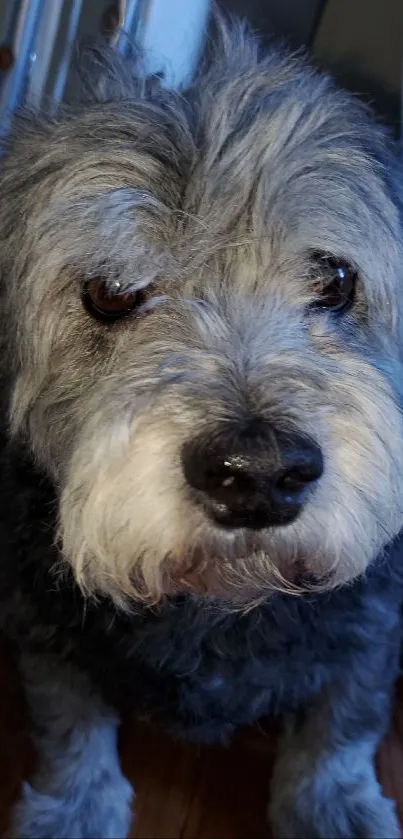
213,203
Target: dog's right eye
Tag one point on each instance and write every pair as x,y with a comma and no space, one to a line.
334,282
107,303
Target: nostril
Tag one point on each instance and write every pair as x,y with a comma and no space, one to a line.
295,479
217,478
292,482
227,482
206,472
225,487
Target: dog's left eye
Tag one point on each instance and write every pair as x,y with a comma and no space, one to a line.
334,282
108,303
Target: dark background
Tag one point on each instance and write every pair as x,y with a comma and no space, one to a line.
360,41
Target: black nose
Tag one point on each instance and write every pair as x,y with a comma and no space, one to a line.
255,478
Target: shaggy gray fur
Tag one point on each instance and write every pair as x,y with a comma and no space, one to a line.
214,203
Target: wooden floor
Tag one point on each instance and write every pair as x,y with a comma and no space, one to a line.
184,791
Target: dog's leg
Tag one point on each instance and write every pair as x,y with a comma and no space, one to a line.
324,784
78,789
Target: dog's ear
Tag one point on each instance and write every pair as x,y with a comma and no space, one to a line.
105,75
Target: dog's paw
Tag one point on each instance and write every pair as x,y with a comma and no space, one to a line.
103,813
340,815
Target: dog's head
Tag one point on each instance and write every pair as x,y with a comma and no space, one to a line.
203,301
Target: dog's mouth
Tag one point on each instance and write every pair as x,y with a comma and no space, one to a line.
240,580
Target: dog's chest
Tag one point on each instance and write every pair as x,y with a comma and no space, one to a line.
203,675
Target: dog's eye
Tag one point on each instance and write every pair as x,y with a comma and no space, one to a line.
109,302
334,282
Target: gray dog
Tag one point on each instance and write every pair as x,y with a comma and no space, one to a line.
201,453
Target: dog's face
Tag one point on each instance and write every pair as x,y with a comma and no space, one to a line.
203,309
